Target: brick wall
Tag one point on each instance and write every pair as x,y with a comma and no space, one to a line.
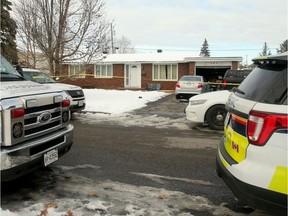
192,68
146,75
90,82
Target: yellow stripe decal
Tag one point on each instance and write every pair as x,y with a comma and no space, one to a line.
279,180
81,76
235,144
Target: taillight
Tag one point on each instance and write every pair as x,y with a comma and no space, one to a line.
200,85
16,113
65,103
261,126
177,85
225,83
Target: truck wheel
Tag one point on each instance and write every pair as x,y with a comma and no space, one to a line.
215,117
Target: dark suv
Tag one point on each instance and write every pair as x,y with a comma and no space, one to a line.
252,155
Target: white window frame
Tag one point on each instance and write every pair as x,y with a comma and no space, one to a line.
80,73
165,75
104,71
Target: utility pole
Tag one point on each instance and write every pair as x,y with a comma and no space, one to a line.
112,39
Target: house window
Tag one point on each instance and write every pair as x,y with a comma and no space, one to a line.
77,71
104,71
165,72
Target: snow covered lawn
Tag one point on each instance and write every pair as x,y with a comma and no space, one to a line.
118,101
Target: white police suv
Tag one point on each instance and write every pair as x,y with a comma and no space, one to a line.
252,155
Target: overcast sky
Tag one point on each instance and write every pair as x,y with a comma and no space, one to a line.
231,27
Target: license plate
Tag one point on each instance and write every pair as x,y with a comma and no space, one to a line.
50,157
80,103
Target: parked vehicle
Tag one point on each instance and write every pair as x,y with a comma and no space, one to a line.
208,108
75,93
233,78
189,85
252,155
35,124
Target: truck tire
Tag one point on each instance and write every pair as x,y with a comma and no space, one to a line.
215,117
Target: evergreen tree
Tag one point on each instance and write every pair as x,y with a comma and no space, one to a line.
205,49
266,51
8,33
283,47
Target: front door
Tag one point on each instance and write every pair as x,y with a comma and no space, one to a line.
133,76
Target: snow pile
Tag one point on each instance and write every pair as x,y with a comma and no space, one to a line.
84,197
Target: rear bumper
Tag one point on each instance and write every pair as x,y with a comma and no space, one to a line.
77,108
185,95
77,105
246,193
30,155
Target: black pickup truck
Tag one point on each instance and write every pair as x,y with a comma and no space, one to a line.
233,78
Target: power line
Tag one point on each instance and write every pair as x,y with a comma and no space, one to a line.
213,50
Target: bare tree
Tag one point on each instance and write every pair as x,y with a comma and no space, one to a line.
62,29
26,43
125,45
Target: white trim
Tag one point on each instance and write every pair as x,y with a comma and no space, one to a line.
213,64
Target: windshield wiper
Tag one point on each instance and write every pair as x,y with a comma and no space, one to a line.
235,89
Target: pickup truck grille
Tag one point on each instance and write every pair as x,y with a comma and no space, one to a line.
31,117
42,128
34,120
34,127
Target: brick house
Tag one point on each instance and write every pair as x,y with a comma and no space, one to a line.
139,71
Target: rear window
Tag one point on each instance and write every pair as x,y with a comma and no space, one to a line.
266,84
237,74
191,78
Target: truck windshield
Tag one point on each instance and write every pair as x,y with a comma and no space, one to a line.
38,77
8,73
